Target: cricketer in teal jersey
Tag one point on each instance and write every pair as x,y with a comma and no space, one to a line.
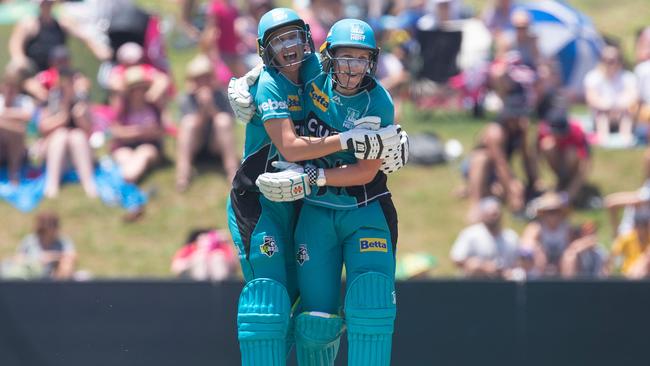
263,230
348,216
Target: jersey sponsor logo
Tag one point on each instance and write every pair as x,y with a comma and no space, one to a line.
272,105
316,127
302,256
294,103
373,245
320,99
269,247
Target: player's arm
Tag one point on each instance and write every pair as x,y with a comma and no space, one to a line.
298,148
360,173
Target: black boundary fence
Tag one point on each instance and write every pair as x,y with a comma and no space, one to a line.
440,322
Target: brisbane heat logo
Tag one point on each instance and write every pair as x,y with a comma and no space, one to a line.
269,247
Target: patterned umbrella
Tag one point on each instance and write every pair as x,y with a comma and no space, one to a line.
569,36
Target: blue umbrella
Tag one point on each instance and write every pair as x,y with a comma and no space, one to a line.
569,36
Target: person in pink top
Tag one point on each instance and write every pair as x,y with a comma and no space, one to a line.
220,22
564,146
138,133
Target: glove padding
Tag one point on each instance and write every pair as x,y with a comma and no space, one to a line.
368,141
240,97
289,184
400,157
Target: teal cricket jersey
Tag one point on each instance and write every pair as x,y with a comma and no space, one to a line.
328,112
275,97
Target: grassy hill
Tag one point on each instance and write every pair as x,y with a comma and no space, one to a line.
430,216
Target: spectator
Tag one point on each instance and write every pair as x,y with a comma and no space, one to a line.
16,111
488,169
584,258
611,93
550,234
630,247
33,39
498,14
131,54
55,254
642,73
642,47
46,80
632,203
220,26
206,255
65,127
138,132
207,123
246,26
486,249
564,146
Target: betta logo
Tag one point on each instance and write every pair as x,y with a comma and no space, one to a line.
373,245
269,247
320,99
317,128
271,105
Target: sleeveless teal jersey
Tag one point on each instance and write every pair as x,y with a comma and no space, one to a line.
327,112
275,97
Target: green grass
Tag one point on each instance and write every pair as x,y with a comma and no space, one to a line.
430,216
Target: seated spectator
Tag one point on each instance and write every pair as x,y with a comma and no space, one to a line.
138,133
488,169
206,255
65,127
642,46
55,254
630,247
486,249
16,111
550,234
611,93
131,54
40,85
32,39
642,73
631,203
584,258
207,123
564,146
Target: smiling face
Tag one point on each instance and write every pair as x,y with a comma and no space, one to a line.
350,67
287,48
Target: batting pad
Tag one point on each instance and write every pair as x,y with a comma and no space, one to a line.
369,314
263,322
317,338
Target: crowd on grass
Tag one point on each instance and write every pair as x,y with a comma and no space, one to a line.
434,53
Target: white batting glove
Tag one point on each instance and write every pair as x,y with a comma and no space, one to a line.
369,144
399,158
239,96
290,184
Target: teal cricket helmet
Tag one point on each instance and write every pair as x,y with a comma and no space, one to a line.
352,33
273,20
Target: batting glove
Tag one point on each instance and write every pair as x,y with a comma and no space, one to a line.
290,184
240,97
369,144
400,157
